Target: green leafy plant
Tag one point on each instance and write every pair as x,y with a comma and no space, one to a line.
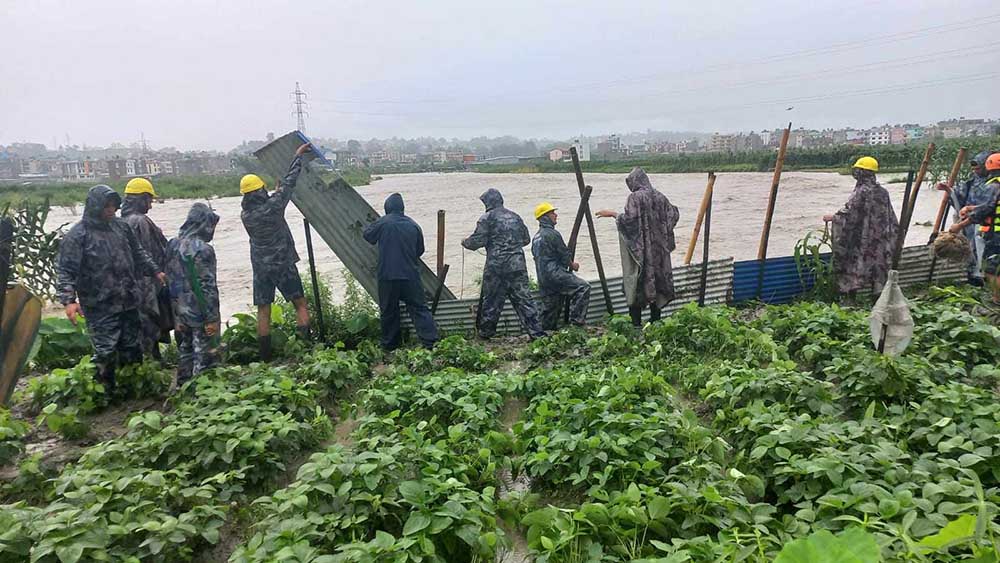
64,421
60,343
11,433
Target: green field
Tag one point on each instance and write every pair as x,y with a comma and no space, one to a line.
169,187
704,437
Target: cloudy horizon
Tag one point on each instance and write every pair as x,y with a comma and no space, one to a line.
211,74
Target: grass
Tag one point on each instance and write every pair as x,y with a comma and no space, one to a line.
167,187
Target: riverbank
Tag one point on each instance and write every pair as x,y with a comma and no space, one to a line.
61,194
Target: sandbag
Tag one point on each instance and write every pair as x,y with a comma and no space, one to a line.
891,316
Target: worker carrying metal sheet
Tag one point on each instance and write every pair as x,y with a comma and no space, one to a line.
194,292
554,268
400,246
272,250
99,267
864,233
505,275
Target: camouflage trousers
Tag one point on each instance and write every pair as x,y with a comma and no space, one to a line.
552,300
115,337
197,353
497,288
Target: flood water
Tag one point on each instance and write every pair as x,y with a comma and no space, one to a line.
737,218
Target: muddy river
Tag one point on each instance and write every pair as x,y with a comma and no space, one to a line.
737,217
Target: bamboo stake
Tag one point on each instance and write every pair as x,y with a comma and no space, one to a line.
952,178
440,243
921,173
583,210
593,234
765,234
705,199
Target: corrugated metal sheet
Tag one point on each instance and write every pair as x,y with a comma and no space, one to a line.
782,283
338,213
458,316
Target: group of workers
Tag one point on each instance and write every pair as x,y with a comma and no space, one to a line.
134,287
865,231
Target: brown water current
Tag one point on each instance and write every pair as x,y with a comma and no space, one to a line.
737,218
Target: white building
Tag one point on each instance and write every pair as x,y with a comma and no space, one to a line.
582,150
880,136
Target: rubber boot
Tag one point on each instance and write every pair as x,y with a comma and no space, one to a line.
304,334
265,348
106,377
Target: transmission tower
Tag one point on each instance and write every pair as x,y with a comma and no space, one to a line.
300,105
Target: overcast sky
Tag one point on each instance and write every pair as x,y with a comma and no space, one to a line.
209,74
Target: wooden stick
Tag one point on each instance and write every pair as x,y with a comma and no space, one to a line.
904,219
921,173
584,209
765,234
440,243
320,325
701,216
440,287
593,234
704,259
952,178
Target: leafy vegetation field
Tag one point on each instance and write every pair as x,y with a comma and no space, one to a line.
715,435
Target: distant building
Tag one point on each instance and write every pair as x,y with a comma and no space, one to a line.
582,150
897,136
879,136
722,143
556,155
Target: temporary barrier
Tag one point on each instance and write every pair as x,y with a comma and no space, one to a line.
458,316
337,212
783,284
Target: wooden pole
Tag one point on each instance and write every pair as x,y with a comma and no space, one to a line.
704,258
593,233
437,293
921,173
701,216
315,281
765,234
440,242
904,219
952,178
582,211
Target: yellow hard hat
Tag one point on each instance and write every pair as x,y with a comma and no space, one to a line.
139,186
867,163
543,208
250,183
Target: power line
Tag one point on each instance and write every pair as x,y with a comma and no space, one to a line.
300,103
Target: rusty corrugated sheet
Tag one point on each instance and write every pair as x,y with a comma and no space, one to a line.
338,213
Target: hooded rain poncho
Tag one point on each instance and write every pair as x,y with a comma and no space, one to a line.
864,237
647,231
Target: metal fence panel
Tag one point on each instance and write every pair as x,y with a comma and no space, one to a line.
338,213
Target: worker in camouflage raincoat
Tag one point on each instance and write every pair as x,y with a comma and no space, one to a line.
972,191
400,245
153,315
864,233
272,250
554,268
505,275
99,268
646,232
194,292
986,216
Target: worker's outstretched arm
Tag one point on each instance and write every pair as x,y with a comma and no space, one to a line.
479,238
